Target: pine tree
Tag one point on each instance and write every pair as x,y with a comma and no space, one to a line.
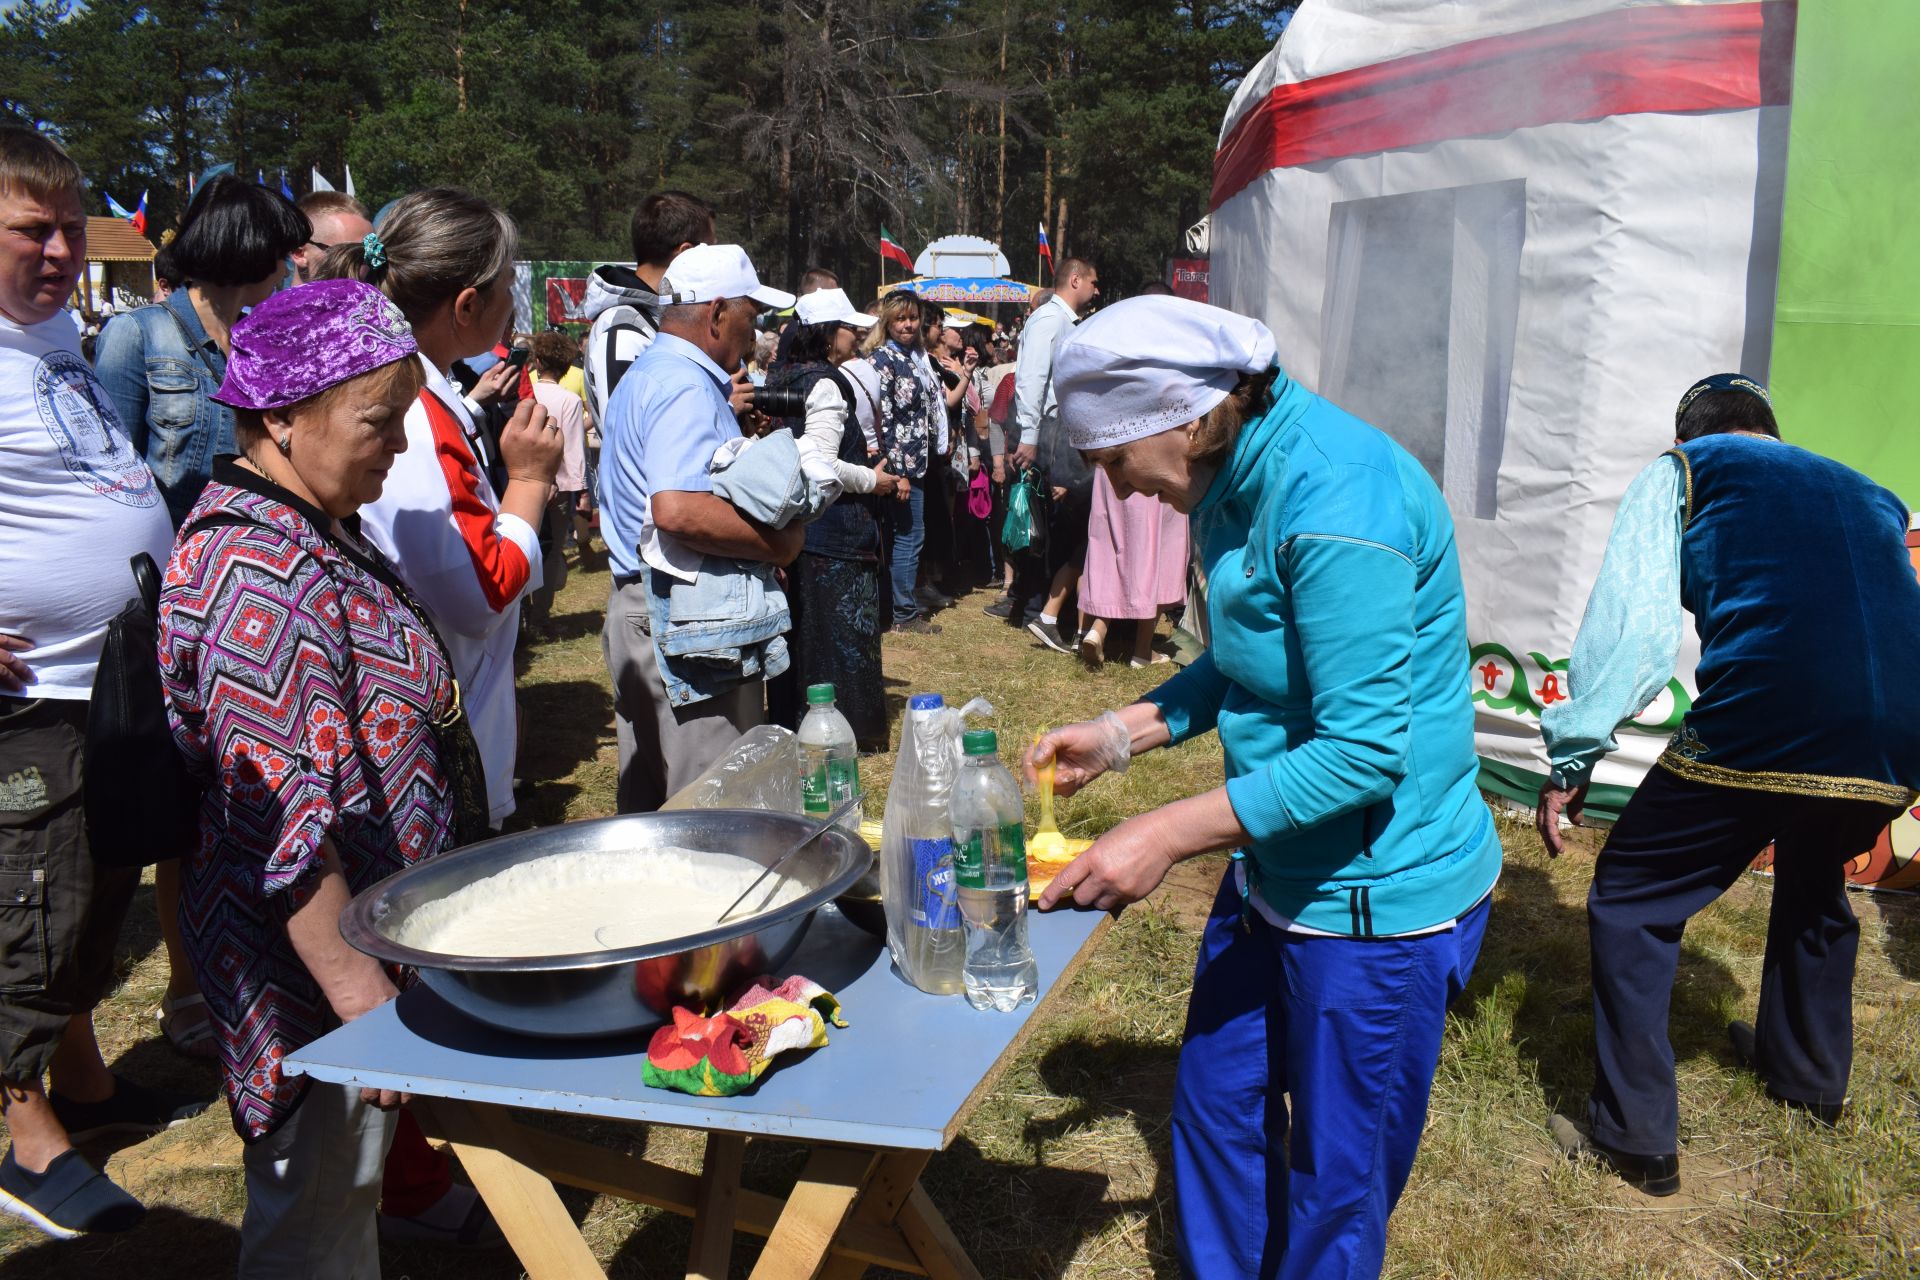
806,123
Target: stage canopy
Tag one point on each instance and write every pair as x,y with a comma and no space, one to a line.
966,291
961,256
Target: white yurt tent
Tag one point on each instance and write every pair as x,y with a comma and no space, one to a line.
1511,234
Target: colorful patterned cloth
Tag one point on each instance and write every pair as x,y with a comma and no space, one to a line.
723,1055
906,413
303,689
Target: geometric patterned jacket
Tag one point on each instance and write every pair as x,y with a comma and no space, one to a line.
303,691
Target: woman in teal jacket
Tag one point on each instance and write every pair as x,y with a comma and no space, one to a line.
1363,857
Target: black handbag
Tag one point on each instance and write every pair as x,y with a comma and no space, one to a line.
140,802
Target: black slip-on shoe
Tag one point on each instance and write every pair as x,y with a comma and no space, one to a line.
1002,608
70,1198
133,1108
1745,1050
1654,1175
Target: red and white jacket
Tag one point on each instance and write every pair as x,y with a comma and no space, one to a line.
439,522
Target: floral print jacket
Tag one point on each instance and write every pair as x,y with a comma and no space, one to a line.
905,411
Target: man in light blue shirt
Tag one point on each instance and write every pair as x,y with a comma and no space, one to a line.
659,513
1041,582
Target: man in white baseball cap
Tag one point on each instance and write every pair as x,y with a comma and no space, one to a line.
714,273
667,416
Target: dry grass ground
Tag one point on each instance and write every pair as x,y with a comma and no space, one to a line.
1064,1171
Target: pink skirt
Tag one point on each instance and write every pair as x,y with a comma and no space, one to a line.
1136,555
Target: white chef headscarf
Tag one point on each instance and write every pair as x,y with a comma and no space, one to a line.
1151,364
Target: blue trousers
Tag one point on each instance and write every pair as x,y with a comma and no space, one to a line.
909,535
1678,846
1302,1091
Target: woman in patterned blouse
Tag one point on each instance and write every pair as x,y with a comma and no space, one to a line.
904,426
302,683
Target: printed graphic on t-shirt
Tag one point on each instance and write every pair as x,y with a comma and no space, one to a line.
78,416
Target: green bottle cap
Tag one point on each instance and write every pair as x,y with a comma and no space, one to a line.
819,695
980,742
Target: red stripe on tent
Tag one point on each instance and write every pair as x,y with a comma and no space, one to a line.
1665,58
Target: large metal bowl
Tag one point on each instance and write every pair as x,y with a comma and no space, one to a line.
612,992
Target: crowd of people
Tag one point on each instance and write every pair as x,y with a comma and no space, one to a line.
359,491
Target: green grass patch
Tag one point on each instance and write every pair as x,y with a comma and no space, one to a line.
1063,1171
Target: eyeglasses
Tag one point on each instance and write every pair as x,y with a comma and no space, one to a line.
320,245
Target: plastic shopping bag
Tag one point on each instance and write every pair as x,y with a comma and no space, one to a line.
1021,530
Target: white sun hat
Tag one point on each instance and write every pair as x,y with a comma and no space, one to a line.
709,272
1151,364
831,306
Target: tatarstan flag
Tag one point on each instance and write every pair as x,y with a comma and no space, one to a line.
891,249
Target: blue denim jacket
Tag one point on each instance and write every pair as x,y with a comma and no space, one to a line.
729,624
161,370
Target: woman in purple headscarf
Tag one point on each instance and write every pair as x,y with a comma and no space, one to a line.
310,692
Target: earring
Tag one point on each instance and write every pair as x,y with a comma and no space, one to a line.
285,444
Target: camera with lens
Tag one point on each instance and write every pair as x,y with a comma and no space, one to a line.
780,402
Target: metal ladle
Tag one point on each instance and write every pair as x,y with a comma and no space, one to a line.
599,935
839,811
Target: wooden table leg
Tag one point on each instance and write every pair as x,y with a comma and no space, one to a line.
523,1202
931,1240
886,1192
819,1205
711,1253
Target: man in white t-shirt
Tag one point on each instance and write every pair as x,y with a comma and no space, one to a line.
76,503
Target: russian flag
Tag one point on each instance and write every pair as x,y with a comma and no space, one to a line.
139,216
1046,250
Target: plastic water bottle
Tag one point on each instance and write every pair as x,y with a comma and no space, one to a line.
934,941
829,759
990,864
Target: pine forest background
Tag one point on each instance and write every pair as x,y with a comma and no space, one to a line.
807,123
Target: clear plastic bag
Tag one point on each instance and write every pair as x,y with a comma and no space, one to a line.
917,887
761,770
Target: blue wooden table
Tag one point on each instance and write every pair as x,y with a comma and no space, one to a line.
892,1088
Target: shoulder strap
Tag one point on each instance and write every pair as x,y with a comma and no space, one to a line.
845,384
866,395
373,564
186,336
616,368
